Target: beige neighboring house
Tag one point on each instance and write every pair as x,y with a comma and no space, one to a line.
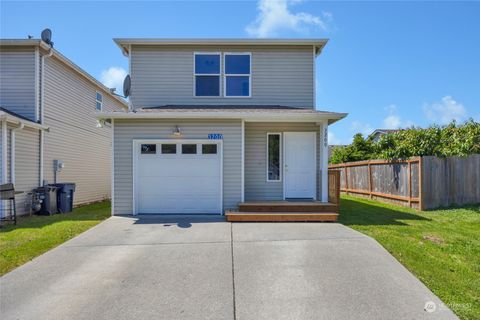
48,107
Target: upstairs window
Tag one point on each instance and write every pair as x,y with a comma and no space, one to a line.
99,101
237,75
207,74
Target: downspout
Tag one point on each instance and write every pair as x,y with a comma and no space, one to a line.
4,151
4,160
12,152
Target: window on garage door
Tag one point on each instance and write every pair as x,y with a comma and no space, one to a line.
189,148
169,148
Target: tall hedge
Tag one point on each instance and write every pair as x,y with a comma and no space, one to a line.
440,141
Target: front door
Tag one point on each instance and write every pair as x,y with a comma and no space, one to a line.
299,165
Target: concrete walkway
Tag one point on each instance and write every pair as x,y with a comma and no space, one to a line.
204,268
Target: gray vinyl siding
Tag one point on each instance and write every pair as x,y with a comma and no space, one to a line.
256,185
27,166
73,135
17,80
164,75
127,130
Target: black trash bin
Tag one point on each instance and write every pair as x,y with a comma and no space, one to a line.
65,194
48,196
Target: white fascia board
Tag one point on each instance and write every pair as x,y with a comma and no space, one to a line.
247,116
124,43
15,120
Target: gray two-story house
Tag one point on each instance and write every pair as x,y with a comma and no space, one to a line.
48,126
214,123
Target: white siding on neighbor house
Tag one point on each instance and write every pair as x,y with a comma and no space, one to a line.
27,165
125,131
73,136
280,75
17,80
256,185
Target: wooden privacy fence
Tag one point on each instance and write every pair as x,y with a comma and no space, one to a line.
420,182
334,186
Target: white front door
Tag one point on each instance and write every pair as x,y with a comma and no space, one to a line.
178,177
299,165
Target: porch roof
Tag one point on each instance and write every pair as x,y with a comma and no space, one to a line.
257,113
16,118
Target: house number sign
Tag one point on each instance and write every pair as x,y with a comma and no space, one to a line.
325,137
215,136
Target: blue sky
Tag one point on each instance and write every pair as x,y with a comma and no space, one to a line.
388,64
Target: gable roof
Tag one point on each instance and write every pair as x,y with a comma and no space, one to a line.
124,43
55,53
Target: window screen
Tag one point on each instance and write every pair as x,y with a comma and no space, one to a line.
207,75
237,75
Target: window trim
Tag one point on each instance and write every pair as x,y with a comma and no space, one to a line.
98,101
195,53
225,75
280,156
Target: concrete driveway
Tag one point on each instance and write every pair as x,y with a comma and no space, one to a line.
205,268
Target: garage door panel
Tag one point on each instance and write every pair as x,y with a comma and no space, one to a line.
178,183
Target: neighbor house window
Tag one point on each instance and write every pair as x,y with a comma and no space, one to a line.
237,75
207,74
99,101
273,157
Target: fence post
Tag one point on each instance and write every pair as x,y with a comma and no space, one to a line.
346,178
409,172
420,183
370,188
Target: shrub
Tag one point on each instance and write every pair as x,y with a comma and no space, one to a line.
441,141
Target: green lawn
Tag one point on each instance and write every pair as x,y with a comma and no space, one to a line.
441,247
35,235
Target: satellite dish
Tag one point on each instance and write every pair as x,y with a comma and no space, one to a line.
127,84
47,36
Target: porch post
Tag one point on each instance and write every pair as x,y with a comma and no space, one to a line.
324,160
243,163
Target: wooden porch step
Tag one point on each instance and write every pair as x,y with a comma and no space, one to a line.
235,216
287,206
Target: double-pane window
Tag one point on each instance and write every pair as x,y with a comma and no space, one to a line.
207,75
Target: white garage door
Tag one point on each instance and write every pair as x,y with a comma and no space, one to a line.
178,177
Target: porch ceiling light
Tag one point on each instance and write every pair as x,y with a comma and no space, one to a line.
176,132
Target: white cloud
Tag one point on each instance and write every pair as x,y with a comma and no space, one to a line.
333,139
393,120
275,16
445,111
363,128
113,78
